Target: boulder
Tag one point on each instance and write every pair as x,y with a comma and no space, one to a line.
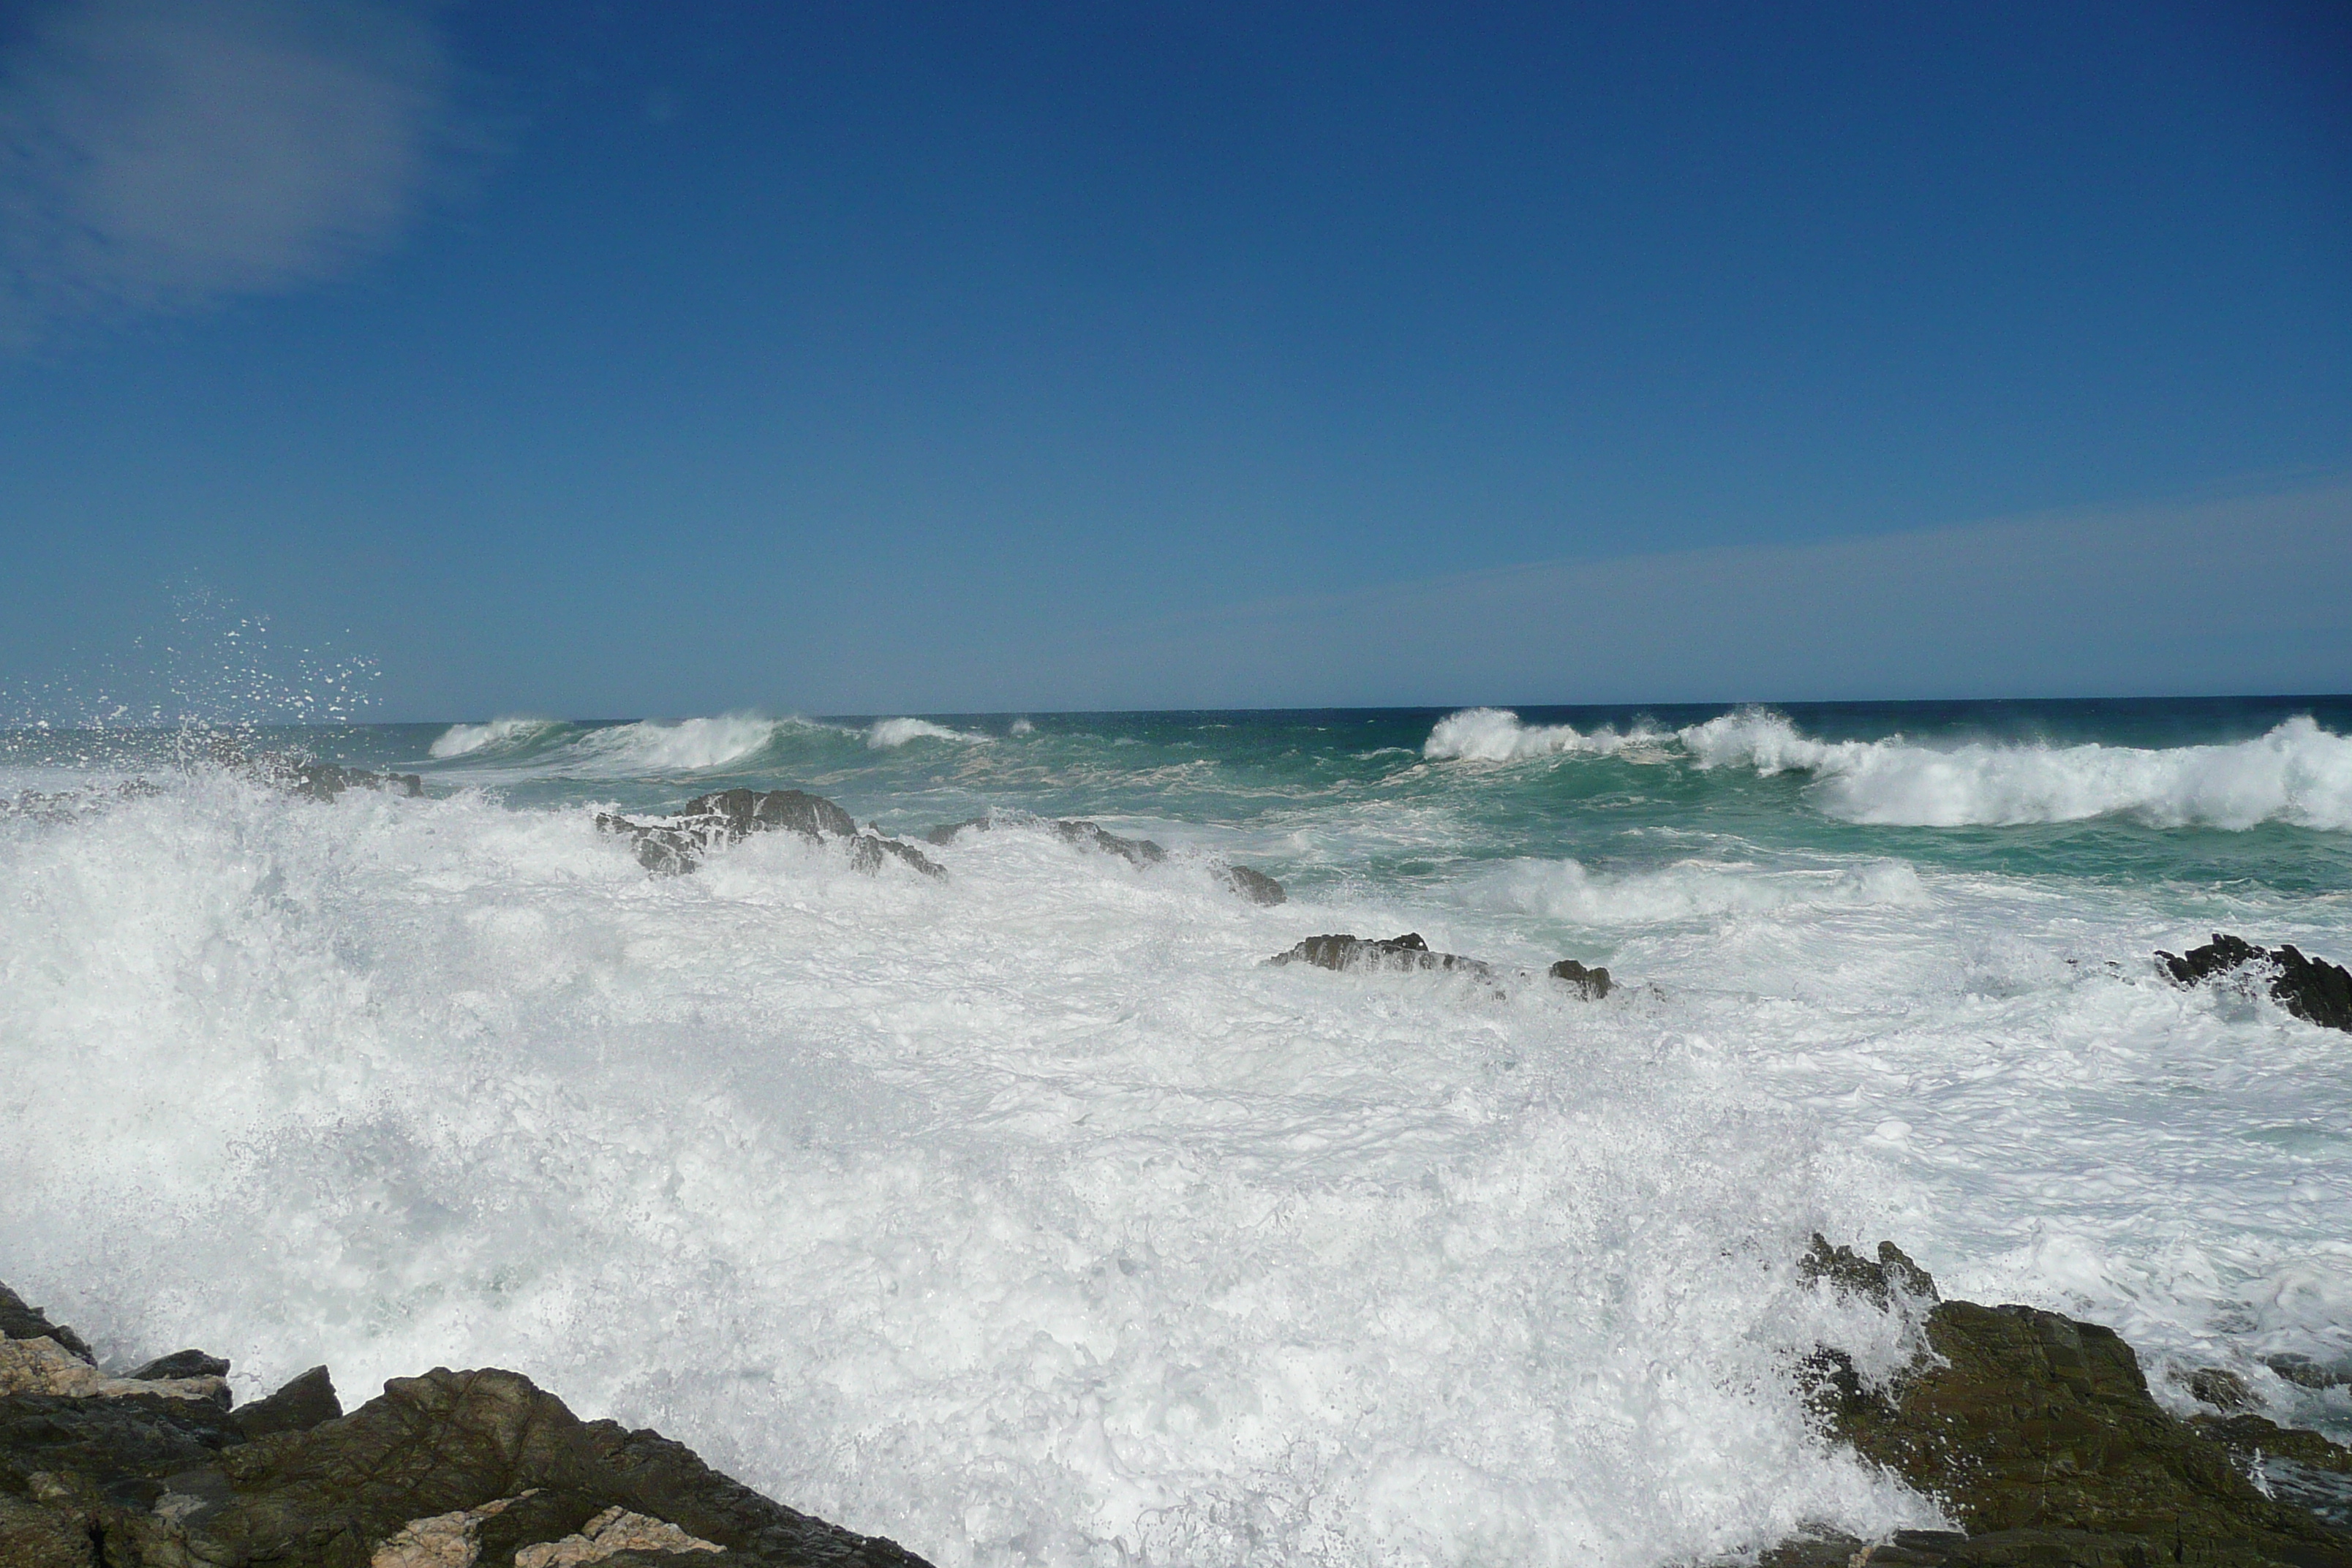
2037,1434
1591,983
1408,951
44,1366
1256,886
674,846
303,1402
1085,835
19,1322
183,1364
2312,989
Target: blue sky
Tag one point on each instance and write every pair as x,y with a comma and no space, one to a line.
645,359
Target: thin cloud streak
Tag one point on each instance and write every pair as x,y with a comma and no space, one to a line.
167,155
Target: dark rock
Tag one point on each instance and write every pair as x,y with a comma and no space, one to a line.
1879,1283
676,845
326,781
181,1364
1592,984
2038,1434
945,833
1088,835
1256,886
2310,988
2305,1372
2220,1388
19,1322
1408,951
108,1440
303,1402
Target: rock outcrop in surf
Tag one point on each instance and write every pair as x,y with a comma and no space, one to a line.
2037,1434
2311,988
1256,886
452,1469
1410,952
676,845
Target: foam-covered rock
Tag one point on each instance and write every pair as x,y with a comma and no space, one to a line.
2311,988
676,845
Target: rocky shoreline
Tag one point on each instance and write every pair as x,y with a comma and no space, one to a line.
2034,1433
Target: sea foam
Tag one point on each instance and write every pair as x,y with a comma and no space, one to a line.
1498,735
498,735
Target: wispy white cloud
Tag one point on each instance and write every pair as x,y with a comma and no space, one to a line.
159,155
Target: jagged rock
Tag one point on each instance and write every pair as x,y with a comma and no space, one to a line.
183,1364
44,1366
2220,1388
443,1541
325,781
1408,951
676,845
1085,835
2305,1372
19,1322
1256,886
303,1402
1880,1283
2310,988
1592,984
2037,1433
611,1532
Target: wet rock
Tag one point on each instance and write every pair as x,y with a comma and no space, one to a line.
19,1322
674,846
1590,984
1881,1283
2310,988
2222,1389
611,1532
303,1402
1408,951
44,1366
1256,886
2037,1433
181,1364
2305,1372
1085,835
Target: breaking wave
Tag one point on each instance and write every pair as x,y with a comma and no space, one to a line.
890,734
498,735
2297,773
1496,735
682,745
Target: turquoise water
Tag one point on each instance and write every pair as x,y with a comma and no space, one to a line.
1027,1215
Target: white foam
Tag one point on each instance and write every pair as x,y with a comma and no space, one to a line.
499,734
1691,889
1496,735
893,732
1062,1231
2297,773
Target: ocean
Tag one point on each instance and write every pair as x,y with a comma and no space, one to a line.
1027,1215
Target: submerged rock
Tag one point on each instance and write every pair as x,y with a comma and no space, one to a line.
1594,983
446,1470
2036,1432
2312,989
1409,951
1256,886
674,846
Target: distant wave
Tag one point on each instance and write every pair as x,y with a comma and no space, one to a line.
682,745
1496,735
2297,773
499,734
893,732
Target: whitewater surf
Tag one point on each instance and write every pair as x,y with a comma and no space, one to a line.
1027,1215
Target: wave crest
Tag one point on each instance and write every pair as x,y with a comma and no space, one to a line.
499,734
681,745
1496,735
2297,773
890,734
